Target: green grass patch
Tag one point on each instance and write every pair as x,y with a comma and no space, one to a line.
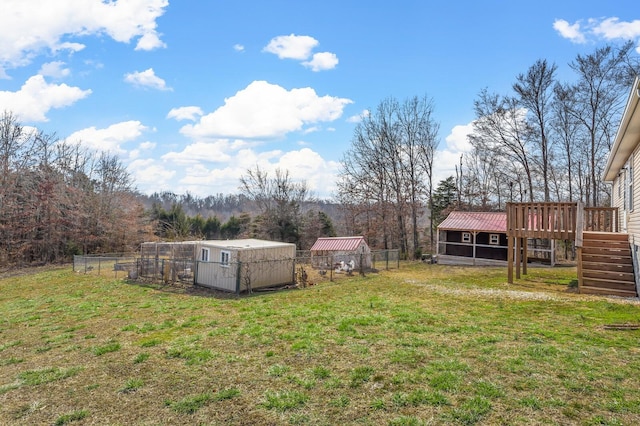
75,416
284,400
132,385
426,343
47,375
106,348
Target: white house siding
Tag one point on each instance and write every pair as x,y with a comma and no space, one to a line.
633,224
617,198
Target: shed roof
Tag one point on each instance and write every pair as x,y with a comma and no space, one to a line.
248,243
338,243
475,221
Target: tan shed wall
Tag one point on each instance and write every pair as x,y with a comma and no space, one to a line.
215,275
268,266
262,266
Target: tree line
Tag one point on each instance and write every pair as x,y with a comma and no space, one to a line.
546,140
58,199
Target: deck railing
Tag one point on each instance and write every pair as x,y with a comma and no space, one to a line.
542,220
601,219
558,221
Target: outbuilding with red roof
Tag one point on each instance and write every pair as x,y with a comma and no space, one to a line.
480,238
332,250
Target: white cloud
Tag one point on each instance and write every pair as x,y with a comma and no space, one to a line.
151,175
599,28
292,46
199,152
457,144
27,28
569,31
358,118
300,48
55,69
144,146
185,113
146,78
322,61
238,48
36,97
264,110
150,41
304,164
613,28
109,139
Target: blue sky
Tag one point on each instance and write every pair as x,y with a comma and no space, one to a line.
190,94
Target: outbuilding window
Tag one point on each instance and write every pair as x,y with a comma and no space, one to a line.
224,258
466,237
494,239
204,255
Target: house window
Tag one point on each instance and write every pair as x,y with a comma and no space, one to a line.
494,239
466,237
204,255
224,258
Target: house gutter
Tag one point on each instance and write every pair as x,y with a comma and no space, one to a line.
622,143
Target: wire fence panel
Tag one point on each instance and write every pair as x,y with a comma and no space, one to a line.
116,265
385,259
305,270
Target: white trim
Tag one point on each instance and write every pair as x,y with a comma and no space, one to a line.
225,258
205,254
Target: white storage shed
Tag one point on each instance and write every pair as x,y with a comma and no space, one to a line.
244,265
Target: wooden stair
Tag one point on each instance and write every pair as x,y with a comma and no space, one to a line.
606,265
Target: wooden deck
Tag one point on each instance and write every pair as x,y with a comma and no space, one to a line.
604,257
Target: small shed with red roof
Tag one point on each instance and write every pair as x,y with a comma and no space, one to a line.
480,238
473,237
332,250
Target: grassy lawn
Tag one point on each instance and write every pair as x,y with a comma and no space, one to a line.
426,344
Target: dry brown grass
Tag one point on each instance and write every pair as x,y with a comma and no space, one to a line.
425,344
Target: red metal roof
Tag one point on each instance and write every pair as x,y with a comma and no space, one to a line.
475,221
338,243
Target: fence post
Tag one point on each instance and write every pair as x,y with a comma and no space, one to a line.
386,253
331,268
362,264
293,273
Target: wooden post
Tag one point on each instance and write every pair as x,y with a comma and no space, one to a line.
525,254
509,259
518,256
579,241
